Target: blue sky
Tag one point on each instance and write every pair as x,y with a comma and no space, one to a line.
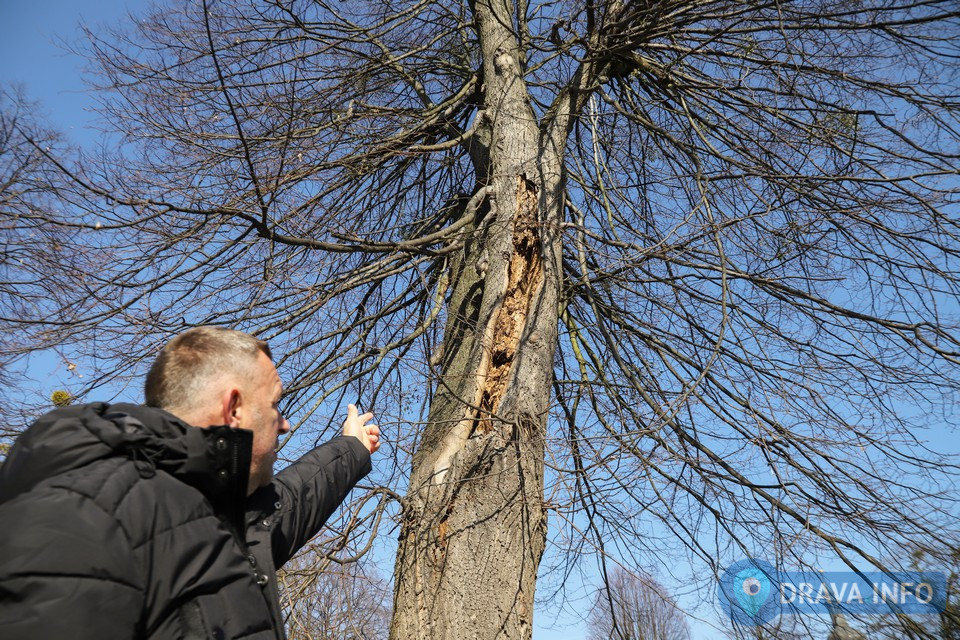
33,54
33,37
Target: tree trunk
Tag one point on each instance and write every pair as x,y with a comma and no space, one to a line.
474,525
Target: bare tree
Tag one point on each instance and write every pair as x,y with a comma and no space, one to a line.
691,264
943,626
782,628
33,255
326,600
632,607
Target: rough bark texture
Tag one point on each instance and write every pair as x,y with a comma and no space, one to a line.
474,525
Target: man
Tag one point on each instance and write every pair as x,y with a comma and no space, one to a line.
165,521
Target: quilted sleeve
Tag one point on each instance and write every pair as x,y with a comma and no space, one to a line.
311,489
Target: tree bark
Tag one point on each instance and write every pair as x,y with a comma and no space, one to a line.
474,525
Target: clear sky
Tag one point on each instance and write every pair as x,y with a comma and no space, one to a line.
33,40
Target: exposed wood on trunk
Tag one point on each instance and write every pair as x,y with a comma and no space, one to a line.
525,272
474,527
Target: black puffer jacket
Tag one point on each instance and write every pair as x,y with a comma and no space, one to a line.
120,521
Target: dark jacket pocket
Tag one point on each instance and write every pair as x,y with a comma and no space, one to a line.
195,625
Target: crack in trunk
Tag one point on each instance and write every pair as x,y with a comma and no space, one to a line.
478,496
524,275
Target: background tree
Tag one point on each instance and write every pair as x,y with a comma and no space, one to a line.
32,255
326,600
946,625
685,267
631,607
781,628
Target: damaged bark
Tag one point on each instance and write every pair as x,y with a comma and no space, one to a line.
474,526
474,529
524,274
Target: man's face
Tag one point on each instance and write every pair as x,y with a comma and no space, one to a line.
265,420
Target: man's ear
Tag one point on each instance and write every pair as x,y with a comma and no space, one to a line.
233,408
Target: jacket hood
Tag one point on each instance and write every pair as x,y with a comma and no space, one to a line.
215,460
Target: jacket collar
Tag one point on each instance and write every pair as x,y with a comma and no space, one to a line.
214,460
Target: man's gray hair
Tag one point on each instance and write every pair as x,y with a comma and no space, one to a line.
188,364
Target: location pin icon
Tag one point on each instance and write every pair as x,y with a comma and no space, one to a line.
752,588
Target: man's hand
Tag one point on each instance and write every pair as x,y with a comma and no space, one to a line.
356,426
